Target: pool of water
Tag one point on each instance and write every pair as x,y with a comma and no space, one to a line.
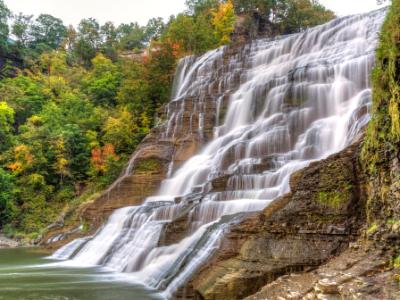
26,274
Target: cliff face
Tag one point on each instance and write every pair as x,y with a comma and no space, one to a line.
337,234
328,238
307,232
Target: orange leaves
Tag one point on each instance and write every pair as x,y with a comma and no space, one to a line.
15,167
101,157
176,49
23,159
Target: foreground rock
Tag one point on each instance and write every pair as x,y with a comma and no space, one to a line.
358,273
7,243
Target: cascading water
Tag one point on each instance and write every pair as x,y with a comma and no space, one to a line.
300,98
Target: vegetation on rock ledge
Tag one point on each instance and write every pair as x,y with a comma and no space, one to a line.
383,138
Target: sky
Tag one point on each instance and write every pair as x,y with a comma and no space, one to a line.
126,11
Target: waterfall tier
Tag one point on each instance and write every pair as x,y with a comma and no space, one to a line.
263,111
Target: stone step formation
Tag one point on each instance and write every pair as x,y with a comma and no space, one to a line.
242,120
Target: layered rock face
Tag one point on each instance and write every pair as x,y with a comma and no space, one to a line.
264,110
312,243
301,230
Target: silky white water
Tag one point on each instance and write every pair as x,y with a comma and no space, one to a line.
292,100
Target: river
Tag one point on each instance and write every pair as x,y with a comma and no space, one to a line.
26,274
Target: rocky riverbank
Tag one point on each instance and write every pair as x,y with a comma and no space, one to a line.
8,243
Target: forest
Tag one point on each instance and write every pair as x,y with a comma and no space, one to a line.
75,102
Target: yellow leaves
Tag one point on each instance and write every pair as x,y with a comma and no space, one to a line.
224,22
53,62
35,121
6,113
62,164
103,64
54,86
92,137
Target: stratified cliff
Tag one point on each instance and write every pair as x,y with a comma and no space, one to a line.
335,235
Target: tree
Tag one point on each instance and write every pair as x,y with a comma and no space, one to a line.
263,7
190,34
134,90
48,31
4,29
154,29
103,81
24,95
109,37
20,29
88,40
132,36
302,14
8,193
6,130
224,22
160,68
120,131
197,7
102,158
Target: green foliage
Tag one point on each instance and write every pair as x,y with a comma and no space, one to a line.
20,29
47,32
103,81
333,199
198,7
88,41
284,16
383,135
24,95
154,28
302,14
4,30
6,122
8,196
190,34
132,36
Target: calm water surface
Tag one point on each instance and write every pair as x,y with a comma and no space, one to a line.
25,274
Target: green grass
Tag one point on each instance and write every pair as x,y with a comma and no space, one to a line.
148,165
332,199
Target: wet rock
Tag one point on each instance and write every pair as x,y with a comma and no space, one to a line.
299,231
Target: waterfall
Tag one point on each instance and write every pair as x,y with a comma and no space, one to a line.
290,101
